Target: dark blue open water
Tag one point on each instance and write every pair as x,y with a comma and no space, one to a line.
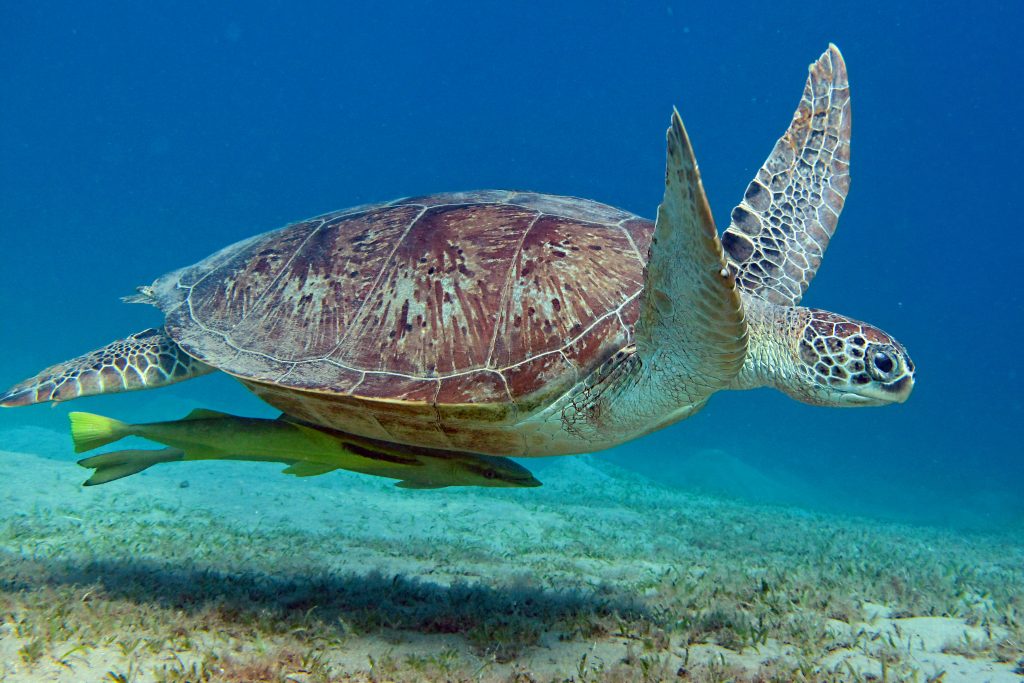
138,137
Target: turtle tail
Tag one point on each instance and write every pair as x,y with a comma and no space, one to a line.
89,431
145,360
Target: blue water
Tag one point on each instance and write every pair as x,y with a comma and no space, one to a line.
139,137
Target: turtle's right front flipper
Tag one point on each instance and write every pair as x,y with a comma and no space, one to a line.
145,360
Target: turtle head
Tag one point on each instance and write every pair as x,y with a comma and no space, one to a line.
844,362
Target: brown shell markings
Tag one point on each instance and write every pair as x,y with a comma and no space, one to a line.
498,300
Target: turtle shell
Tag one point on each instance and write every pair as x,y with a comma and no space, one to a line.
439,320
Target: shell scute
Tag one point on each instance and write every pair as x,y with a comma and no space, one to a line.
396,387
606,336
226,295
459,308
559,286
304,312
317,374
640,231
475,386
570,207
452,198
553,371
435,307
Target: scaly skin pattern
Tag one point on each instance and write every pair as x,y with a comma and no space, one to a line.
822,358
144,360
814,356
780,231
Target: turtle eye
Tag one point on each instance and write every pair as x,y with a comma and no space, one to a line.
883,362
882,365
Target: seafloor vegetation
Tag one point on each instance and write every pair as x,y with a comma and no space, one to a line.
246,575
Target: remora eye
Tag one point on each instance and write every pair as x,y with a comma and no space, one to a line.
883,362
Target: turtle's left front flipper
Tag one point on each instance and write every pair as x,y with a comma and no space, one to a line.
145,360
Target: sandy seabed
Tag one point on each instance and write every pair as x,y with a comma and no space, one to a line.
233,572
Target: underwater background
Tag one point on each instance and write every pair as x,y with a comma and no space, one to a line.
136,138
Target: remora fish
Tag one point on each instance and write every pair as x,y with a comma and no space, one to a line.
307,450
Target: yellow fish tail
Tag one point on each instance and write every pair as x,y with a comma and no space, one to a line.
89,431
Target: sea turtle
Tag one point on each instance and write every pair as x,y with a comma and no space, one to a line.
521,324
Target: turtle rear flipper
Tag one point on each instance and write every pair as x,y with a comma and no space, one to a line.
145,360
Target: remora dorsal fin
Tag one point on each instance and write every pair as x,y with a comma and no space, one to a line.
206,414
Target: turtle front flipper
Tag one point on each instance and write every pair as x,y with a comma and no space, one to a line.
145,360
780,231
691,329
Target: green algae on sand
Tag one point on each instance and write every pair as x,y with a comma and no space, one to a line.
598,576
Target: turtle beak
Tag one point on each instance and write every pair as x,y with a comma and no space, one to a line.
879,394
900,387
900,390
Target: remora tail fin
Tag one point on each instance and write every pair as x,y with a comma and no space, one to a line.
89,431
